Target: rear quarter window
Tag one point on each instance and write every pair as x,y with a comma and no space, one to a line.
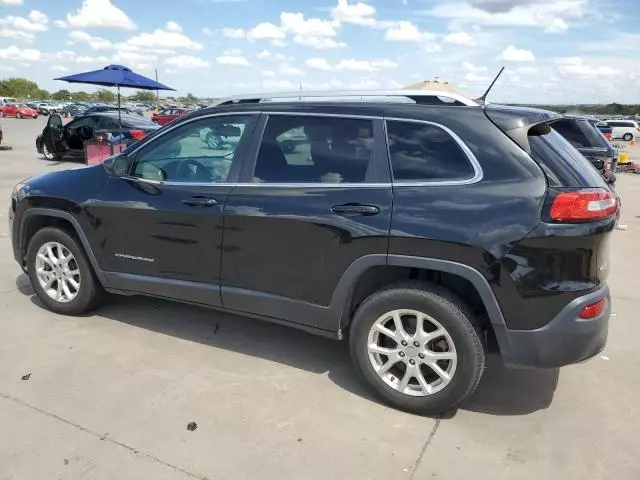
422,152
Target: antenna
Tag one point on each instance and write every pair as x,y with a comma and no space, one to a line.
481,100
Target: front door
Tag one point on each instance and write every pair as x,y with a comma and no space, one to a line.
317,199
159,230
53,134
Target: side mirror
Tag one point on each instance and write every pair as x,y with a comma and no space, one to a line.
117,166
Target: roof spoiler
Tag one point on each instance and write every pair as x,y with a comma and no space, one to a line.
516,122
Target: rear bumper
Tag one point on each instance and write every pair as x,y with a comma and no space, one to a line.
565,340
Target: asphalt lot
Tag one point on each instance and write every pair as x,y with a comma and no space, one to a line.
110,395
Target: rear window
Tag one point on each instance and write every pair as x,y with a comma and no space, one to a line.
580,133
421,152
563,164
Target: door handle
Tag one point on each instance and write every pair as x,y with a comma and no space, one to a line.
200,202
352,209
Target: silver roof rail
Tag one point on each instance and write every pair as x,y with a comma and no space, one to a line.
428,97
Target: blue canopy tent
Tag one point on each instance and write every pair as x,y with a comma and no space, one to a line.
115,76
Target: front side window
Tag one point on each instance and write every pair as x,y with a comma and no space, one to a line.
306,149
422,152
184,155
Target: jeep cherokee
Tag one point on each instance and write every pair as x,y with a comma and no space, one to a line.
423,229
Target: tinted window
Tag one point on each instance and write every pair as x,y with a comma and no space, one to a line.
423,152
563,164
580,133
186,155
314,149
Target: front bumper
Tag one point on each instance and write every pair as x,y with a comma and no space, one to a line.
565,340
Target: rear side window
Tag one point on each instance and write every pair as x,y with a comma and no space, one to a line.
422,152
562,163
580,133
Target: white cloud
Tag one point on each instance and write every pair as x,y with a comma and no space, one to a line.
186,62
60,23
10,2
356,65
268,73
321,43
99,14
65,55
96,43
460,38
207,31
403,32
383,63
558,25
357,13
569,61
59,68
474,77
36,21
285,69
163,38
265,31
232,32
233,58
95,60
15,53
267,55
319,63
513,54
278,84
17,34
279,43
526,70
296,24
172,26
472,68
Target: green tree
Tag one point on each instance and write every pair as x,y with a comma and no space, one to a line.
18,87
189,99
61,95
81,96
145,96
106,96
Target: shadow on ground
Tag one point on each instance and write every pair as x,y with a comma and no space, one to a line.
501,391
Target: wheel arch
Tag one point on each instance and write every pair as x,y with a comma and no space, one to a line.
371,272
35,219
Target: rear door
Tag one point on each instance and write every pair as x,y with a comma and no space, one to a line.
303,214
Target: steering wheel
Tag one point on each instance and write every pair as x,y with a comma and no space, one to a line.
193,171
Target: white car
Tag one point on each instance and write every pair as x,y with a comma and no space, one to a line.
624,129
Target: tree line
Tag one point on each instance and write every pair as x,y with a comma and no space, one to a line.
24,89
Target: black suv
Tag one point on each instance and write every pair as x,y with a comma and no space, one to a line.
423,232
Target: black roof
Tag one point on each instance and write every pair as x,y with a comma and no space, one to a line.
126,117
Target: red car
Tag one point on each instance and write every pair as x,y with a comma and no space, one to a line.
18,111
168,115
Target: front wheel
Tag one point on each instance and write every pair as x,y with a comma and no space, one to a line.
61,274
627,137
416,347
18,115
47,154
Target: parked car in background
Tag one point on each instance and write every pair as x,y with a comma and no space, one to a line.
422,233
605,129
103,109
624,129
591,143
168,115
58,140
74,109
18,110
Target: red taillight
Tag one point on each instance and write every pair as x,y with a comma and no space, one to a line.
138,134
593,310
584,205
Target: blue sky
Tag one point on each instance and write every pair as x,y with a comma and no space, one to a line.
555,50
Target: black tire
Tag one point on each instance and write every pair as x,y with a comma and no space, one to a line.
18,115
89,295
627,137
452,314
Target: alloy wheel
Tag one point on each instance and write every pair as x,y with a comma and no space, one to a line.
58,272
412,352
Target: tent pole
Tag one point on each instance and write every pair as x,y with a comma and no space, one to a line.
119,111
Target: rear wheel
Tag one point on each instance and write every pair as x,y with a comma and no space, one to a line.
627,137
18,115
416,347
60,273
